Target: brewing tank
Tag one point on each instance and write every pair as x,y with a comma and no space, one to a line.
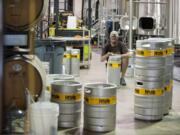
152,16
175,20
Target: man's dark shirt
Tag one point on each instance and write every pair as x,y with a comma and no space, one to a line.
118,49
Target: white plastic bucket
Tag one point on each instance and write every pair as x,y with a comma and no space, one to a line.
44,118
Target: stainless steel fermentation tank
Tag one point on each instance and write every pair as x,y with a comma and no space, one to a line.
174,20
153,17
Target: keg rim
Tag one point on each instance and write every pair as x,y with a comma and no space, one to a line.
70,83
94,86
59,76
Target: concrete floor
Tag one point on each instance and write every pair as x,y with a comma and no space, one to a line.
126,124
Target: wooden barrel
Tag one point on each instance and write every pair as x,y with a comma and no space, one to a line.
20,15
21,73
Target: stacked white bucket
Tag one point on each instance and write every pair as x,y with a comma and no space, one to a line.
114,70
71,62
151,99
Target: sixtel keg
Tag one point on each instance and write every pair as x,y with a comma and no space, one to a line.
100,107
114,69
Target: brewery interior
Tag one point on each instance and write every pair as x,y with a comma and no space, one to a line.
53,80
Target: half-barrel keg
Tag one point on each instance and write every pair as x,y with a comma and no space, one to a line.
67,61
21,15
114,69
19,73
100,107
75,62
68,94
150,60
149,100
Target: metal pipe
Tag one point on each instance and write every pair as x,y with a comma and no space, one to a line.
130,24
1,65
56,12
82,13
49,15
89,14
150,2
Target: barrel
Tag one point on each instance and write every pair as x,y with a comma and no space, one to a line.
100,107
75,62
50,78
68,95
21,15
114,69
23,72
67,61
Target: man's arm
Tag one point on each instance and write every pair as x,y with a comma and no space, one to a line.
105,56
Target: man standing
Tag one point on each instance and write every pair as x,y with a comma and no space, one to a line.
115,47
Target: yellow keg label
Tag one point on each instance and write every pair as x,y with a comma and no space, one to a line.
100,101
148,92
52,32
66,97
77,56
68,56
170,51
168,88
115,65
150,53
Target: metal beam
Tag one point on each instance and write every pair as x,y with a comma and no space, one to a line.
56,12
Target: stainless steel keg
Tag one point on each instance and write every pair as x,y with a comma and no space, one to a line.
149,100
100,107
114,69
67,61
68,95
75,62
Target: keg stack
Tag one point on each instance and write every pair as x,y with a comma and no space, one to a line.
100,107
68,95
114,70
150,69
72,62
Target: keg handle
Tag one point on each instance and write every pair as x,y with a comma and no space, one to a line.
139,83
80,89
88,91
